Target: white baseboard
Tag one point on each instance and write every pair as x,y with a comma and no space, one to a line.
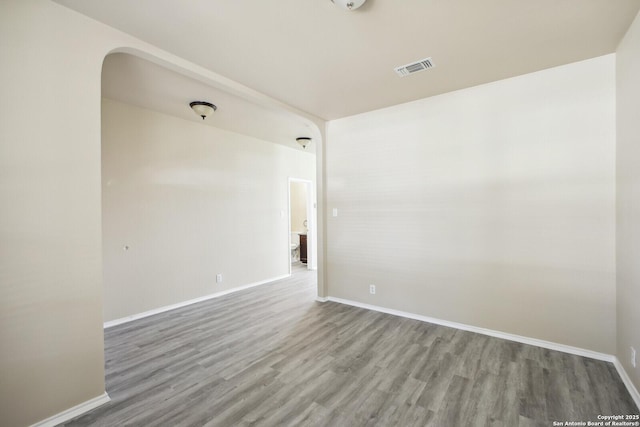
498,334
159,310
77,410
322,299
633,391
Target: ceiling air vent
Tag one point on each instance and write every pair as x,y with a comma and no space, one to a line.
414,67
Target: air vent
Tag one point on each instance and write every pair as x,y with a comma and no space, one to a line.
414,67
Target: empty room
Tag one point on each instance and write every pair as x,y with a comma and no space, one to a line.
319,213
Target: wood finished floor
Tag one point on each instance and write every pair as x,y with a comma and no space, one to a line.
272,356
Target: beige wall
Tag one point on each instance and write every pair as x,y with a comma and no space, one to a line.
492,206
190,201
50,237
51,335
51,355
628,198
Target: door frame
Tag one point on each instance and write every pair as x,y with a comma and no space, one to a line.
311,222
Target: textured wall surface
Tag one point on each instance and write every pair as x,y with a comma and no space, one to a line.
492,206
190,201
628,198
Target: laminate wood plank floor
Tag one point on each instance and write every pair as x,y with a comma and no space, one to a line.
273,356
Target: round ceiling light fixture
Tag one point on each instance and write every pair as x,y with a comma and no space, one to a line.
348,4
202,108
304,141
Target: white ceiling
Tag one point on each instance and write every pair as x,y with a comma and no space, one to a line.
332,63
135,81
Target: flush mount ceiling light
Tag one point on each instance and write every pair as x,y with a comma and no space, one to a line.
202,108
348,4
304,141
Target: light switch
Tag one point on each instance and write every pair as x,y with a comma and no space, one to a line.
335,211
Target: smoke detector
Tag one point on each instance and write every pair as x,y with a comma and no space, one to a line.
348,4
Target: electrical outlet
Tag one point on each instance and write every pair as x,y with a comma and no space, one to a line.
219,278
633,357
372,289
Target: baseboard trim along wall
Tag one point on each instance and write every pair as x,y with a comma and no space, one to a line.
633,391
504,335
91,404
159,310
77,410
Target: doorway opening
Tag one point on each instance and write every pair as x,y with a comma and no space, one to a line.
301,224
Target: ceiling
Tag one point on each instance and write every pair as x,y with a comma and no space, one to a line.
135,81
333,63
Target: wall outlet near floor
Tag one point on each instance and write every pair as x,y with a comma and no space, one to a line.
219,278
372,289
633,357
